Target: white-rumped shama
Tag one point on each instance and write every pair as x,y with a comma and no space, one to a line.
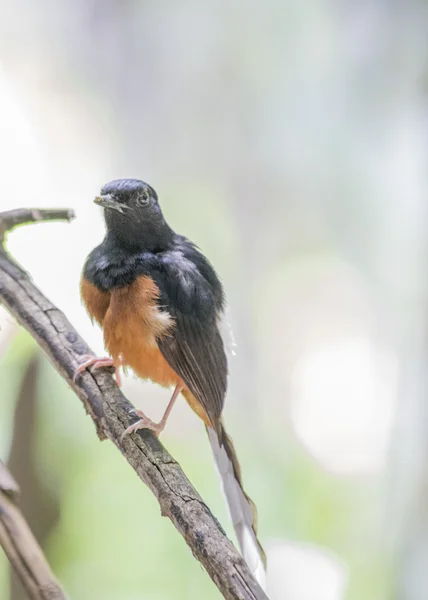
159,303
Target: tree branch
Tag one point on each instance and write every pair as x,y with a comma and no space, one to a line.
21,216
21,546
110,410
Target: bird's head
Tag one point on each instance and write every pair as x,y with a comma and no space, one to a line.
130,198
132,213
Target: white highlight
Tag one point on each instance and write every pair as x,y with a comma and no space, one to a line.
343,404
304,572
226,332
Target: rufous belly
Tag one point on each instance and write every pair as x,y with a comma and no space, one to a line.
132,321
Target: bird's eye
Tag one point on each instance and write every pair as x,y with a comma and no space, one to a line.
143,198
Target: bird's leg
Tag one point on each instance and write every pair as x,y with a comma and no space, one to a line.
146,423
96,362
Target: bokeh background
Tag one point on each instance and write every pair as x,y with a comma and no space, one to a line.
289,140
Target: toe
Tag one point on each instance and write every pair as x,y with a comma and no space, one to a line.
134,427
96,362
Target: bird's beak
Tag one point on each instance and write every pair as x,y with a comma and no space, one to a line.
109,201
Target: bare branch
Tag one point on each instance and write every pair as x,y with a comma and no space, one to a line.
110,410
21,216
8,484
21,547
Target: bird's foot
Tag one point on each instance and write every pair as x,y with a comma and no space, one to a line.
96,362
144,423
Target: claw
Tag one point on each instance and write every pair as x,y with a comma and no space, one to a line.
143,423
97,362
146,423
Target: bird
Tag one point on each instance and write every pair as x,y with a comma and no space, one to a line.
160,304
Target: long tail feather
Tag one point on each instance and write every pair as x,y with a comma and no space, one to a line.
242,509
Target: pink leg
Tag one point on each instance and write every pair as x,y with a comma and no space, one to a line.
146,423
97,362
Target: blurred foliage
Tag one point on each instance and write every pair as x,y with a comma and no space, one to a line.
111,541
288,140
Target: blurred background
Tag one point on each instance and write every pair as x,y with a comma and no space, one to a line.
289,141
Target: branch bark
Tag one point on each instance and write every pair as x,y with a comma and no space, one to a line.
21,547
109,410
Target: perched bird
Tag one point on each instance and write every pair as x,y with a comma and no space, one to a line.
160,304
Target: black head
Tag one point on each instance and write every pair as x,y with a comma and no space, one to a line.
133,216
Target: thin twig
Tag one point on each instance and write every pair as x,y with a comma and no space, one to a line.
21,547
110,410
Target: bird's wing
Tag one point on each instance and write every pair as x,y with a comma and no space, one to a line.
196,353
191,293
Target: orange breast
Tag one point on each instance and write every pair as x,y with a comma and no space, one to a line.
131,325
131,321
96,301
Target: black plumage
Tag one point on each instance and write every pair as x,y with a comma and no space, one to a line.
141,252
189,288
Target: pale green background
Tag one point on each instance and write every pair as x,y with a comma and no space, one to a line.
289,140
